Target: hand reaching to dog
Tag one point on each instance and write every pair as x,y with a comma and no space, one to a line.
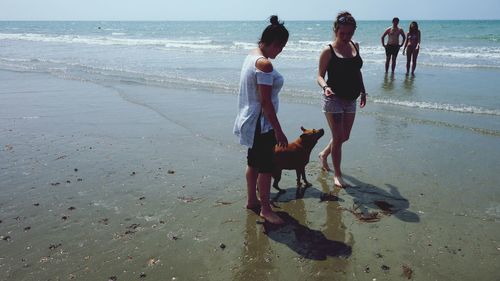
281,139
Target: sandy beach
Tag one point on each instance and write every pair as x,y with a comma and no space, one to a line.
124,181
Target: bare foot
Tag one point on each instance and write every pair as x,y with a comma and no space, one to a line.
339,181
271,217
253,205
324,162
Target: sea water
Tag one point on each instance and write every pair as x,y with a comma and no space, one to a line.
456,81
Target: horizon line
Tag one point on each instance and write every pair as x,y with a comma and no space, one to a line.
239,20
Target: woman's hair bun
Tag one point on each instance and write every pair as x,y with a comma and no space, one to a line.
274,20
274,33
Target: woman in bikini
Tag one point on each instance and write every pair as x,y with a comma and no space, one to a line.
412,47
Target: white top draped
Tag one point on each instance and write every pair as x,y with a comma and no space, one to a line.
249,105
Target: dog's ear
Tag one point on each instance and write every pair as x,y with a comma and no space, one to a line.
302,128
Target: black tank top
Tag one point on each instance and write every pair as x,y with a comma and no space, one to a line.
343,75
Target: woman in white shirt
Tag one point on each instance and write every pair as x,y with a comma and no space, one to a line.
257,125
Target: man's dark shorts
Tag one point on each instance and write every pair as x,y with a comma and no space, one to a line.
261,155
391,50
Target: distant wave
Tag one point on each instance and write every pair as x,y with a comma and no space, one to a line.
433,55
464,52
313,43
105,40
440,106
244,45
458,65
85,72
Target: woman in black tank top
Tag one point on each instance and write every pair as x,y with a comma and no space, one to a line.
343,74
342,63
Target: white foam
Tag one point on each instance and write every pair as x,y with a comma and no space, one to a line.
244,45
105,40
440,106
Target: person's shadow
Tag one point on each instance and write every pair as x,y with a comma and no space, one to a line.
308,243
391,202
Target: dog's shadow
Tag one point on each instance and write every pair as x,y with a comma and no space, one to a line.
367,196
293,193
308,243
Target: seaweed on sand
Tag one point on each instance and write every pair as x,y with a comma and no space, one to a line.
363,217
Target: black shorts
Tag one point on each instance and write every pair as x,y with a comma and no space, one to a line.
391,50
261,155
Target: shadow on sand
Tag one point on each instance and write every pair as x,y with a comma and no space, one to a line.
367,196
294,193
308,243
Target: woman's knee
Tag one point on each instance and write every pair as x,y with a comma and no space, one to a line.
345,138
337,141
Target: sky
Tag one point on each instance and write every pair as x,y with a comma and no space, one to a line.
246,10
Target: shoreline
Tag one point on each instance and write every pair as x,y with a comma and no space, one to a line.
156,181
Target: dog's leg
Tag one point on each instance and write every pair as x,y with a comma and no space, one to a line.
277,178
303,172
298,172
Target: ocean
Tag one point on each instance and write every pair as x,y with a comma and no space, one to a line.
456,82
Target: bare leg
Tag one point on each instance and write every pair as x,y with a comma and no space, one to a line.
387,60
408,60
323,156
340,125
264,183
414,59
335,123
251,176
393,67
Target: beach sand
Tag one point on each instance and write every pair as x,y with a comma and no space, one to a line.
129,182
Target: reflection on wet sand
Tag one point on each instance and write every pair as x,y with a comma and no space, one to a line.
388,83
256,261
334,227
408,83
329,247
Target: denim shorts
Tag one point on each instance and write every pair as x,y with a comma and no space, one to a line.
334,104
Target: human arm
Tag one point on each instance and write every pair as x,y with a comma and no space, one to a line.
323,65
406,43
418,42
268,109
404,37
362,102
383,36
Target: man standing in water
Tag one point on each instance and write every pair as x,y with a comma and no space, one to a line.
392,47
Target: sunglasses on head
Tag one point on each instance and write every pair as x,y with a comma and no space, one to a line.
348,20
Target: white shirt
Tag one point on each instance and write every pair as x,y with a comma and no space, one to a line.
249,105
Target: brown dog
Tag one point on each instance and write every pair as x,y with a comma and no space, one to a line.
295,156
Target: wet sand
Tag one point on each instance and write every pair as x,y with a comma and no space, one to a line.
126,181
